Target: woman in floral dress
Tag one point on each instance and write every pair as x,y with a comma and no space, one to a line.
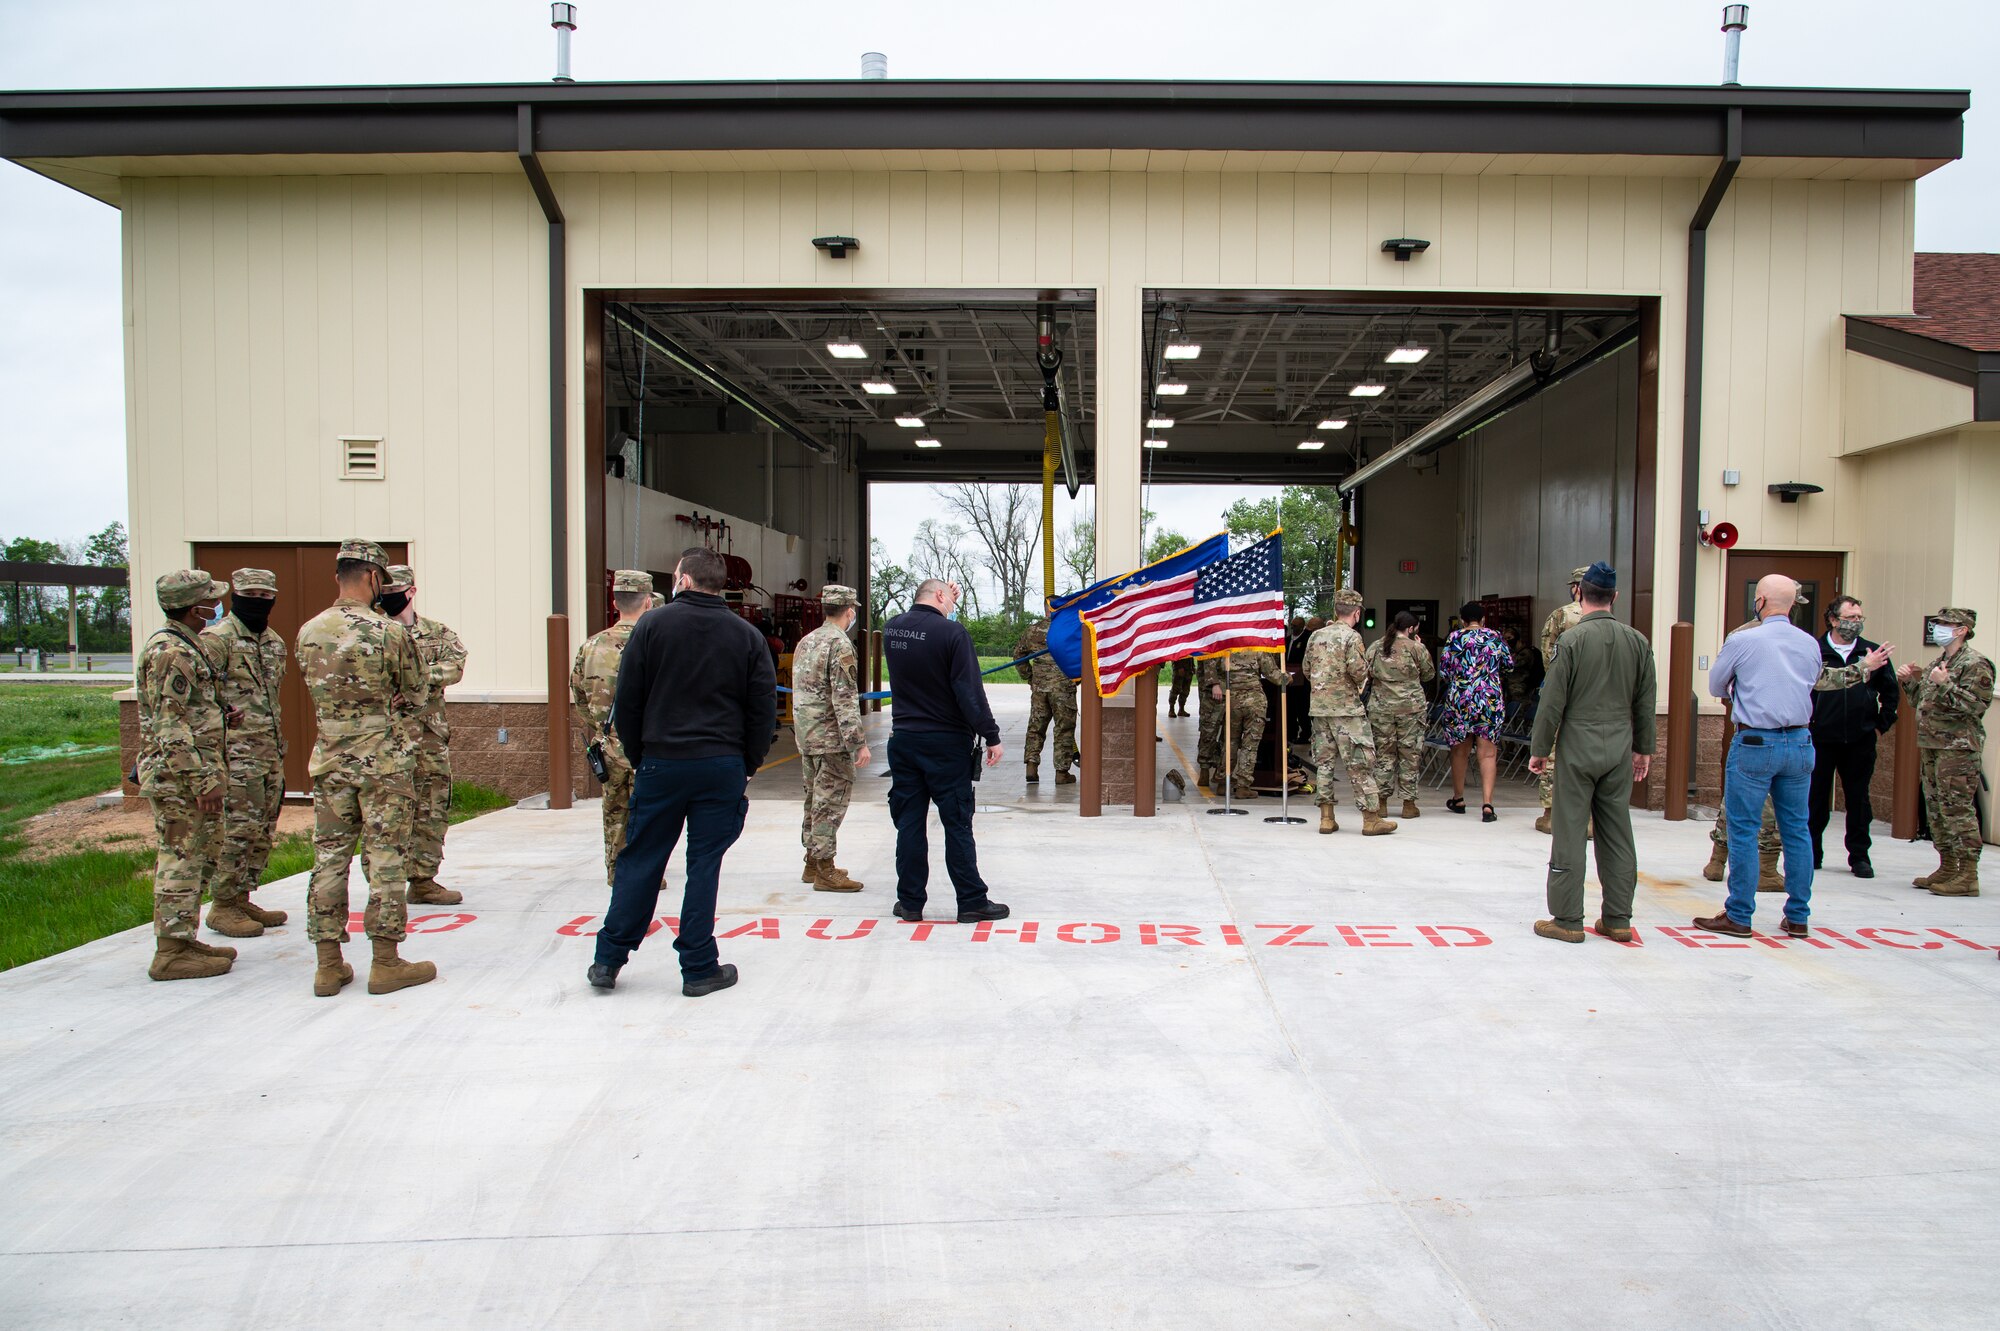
1473,660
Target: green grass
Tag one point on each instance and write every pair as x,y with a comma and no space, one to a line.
1005,676
54,904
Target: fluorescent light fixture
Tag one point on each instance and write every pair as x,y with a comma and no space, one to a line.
1159,423
1182,350
929,443
1311,445
882,389
1171,389
1156,443
1366,390
1407,355
846,351
910,422
1331,424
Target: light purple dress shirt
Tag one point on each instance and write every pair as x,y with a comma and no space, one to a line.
1768,673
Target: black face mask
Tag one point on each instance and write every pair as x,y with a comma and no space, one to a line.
252,612
392,603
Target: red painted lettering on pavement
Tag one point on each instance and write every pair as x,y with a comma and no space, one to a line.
1178,933
1875,936
1106,933
1966,942
1290,936
1232,936
451,920
575,929
1687,938
1367,935
985,930
763,928
819,930
1435,934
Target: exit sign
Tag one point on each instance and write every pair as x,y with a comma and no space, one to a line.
1407,566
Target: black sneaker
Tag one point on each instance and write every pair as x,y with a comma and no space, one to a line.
911,913
722,979
1860,867
602,976
989,910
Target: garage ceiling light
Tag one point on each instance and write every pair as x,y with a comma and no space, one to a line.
910,422
1407,355
1159,423
1182,350
1368,390
1172,389
1311,445
846,351
879,388
1331,424
929,443
1156,443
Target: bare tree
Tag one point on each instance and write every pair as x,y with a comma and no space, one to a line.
889,585
938,551
1006,521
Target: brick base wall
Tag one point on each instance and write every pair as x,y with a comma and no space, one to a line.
1120,754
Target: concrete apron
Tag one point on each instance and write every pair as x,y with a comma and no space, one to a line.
1212,1073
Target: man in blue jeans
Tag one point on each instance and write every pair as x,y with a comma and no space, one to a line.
940,710
1767,673
694,710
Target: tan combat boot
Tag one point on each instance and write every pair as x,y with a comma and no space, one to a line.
390,972
1328,824
270,919
427,892
1410,809
178,959
1382,807
1374,824
1947,866
211,950
1964,880
1769,878
333,970
228,919
811,871
832,878
1546,824
1717,868
1034,774
1065,777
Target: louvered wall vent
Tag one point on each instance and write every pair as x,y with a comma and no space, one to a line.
361,458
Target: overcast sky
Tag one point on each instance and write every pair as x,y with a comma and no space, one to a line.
61,374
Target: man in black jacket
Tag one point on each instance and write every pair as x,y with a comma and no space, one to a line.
694,713
937,711
1844,726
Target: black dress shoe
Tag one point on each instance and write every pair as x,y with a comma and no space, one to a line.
991,910
1860,867
602,976
722,979
911,913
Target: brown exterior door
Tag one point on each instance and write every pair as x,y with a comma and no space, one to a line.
1818,576
305,587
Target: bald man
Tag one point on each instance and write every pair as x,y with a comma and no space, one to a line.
1767,673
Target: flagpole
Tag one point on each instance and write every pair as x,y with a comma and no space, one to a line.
1228,752
1284,760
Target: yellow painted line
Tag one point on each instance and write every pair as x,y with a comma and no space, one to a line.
777,762
1206,792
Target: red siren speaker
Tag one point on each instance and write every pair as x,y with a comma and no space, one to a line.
1722,535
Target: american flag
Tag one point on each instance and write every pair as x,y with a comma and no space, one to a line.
1229,603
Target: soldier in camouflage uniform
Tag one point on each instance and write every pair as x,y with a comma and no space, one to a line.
251,659
443,656
1181,684
1951,699
593,683
366,680
1560,621
1247,673
183,771
1054,698
1336,667
1211,677
826,722
1398,665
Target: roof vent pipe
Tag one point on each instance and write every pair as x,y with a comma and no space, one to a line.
874,65
1735,18
562,18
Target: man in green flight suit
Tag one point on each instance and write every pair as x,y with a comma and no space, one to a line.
1599,694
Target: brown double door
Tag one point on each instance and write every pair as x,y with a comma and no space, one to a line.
1818,576
305,587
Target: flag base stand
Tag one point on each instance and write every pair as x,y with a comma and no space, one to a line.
1228,766
1284,814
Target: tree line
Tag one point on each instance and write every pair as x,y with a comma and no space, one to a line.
32,617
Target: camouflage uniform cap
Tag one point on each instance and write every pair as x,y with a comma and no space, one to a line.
366,551
1576,574
834,597
632,580
254,580
398,576
1959,615
185,587
1347,599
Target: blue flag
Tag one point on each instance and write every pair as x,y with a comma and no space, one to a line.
1065,626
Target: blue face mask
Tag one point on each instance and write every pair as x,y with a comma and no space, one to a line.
216,616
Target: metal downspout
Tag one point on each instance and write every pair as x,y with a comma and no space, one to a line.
1697,312
545,193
